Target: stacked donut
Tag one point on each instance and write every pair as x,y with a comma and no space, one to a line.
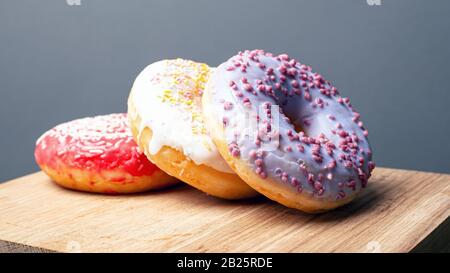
258,123
97,155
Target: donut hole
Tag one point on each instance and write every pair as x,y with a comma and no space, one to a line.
295,120
298,127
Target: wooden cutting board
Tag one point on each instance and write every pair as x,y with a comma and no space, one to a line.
400,211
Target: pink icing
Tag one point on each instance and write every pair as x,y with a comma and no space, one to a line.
95,144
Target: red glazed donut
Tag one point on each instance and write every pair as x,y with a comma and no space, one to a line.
97,154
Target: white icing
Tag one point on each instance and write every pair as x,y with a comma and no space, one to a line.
173,122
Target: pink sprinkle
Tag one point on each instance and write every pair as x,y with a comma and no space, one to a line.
307,96
329,151
234,149
351,184
332,165
235,152
282,69
318,185
334,91
292,72
341,195
360,124
294,181
315,149
284,57
225,121
248,87
258,162
227,105
342,133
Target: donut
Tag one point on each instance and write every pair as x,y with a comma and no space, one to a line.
97,154
164,108
286,131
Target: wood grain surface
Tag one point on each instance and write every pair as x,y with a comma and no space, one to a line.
400,211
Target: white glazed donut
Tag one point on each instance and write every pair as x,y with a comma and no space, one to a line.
164,109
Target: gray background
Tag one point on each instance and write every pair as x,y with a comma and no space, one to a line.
60,62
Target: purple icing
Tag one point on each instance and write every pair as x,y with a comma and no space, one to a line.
307,136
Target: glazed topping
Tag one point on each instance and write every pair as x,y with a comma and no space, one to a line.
185,84
291,124
97,143
167,96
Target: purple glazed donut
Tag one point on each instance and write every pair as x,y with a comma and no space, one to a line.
287,132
